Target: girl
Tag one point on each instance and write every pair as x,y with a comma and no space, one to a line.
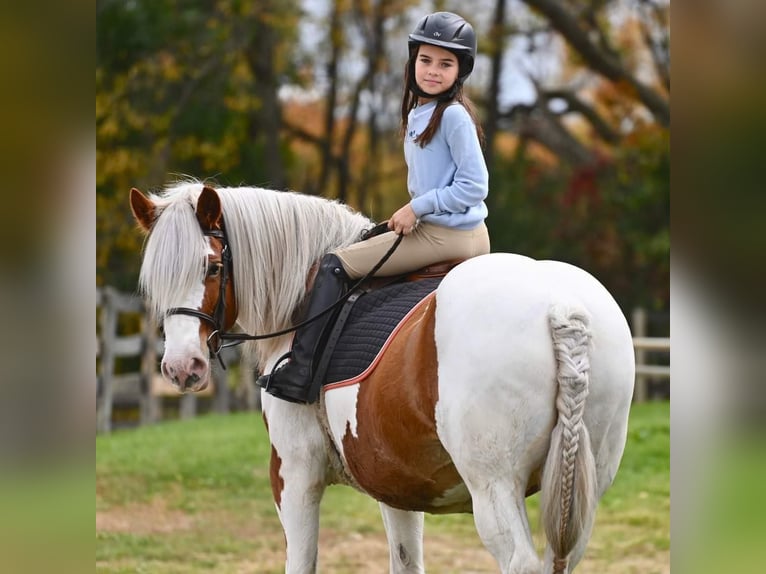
447,181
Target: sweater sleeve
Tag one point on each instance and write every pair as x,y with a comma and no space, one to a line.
470,184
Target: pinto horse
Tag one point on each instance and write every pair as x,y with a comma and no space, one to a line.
518,377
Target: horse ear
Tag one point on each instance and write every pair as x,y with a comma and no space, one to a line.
143,209
209,209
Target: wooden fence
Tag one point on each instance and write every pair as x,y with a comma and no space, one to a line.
129,347
648,350
127,369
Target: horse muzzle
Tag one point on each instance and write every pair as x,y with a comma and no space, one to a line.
188,373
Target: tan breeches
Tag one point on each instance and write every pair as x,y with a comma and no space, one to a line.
427,244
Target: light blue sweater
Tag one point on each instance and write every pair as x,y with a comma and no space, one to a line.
447,179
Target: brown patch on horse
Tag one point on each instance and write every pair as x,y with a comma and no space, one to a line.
277,482
212,294
397,456
275,465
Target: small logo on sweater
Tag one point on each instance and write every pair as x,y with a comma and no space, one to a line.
411,133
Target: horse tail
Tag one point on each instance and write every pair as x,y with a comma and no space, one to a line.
568,491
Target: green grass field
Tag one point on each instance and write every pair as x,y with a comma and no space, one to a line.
194,496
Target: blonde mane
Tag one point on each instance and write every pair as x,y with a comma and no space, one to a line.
275,237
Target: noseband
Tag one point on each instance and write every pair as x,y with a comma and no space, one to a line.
215,341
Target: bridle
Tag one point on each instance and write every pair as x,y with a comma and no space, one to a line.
216,340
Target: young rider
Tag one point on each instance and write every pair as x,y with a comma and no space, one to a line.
447,181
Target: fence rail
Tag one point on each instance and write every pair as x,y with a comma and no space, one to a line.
144,388
647,347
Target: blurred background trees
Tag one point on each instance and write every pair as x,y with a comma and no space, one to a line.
305,95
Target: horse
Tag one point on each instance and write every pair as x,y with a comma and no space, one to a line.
517,378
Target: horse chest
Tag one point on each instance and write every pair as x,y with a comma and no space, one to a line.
385,430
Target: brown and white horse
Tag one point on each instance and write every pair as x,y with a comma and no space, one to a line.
517,377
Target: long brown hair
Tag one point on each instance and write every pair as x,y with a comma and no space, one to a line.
455,94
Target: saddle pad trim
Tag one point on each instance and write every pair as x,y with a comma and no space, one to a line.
364,374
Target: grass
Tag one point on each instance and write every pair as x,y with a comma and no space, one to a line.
194,496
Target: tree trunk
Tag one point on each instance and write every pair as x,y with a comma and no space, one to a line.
497,47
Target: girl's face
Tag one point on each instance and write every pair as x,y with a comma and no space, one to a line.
436,70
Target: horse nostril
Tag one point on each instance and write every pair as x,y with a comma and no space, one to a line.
197,367
167,371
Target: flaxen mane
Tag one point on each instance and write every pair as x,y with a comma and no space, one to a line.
275,237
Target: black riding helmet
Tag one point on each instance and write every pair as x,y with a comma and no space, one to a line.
448,31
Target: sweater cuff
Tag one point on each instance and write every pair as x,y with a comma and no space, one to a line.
424,204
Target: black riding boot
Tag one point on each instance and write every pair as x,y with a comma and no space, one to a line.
292,381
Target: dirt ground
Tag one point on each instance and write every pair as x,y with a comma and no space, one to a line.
350,553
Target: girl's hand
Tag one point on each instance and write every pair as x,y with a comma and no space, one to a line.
403,221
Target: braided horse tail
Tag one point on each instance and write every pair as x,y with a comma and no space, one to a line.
568,491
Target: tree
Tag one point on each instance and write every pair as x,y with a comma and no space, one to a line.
184,89
578,172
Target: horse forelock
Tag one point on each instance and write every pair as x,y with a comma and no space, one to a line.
175,250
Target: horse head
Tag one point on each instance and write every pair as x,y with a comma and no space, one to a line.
198,307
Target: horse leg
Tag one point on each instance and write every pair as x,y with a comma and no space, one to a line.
298,473
494,422
495,469
493,418
299,515
500,515
404,531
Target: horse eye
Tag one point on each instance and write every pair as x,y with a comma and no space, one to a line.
214,269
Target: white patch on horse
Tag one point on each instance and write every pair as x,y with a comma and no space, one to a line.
182,345
182,331
340,405
455,495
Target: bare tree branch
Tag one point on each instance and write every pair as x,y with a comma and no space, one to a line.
654,30
497,37
538,123
576,105
300,133
265,122
602,62
336,43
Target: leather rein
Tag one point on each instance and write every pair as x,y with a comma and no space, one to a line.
216,341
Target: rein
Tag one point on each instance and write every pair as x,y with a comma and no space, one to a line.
216,339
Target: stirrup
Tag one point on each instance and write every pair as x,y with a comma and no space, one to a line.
264,380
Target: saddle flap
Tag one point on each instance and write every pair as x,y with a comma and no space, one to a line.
372,320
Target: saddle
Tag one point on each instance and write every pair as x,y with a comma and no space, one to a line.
369,318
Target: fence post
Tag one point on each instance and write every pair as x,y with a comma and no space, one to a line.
108,334
640,323
247,384
220,383
187,406
150,403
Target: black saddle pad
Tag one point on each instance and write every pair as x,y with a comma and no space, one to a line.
373,318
